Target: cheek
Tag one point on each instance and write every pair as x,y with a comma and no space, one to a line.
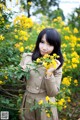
51,48
40,46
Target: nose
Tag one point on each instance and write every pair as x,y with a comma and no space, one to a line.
45,47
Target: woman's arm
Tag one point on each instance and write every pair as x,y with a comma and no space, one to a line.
26,59
52,81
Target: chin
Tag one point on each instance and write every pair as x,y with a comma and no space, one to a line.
43,54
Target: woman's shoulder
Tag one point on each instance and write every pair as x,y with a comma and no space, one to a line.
59,70
26,58
26,54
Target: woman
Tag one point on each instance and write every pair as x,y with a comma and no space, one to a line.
45,83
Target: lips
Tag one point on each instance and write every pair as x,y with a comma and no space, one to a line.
44,52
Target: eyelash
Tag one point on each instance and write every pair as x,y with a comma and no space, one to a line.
42,41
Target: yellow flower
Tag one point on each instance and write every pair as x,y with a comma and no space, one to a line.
1,82
38,60
16,36
25,38
55,55
76,82
68,99
62,23
15,30
61,102
64,45
47,98
65,106
73,38
54,63
6,77
74,65
55,20
46,111
29,3
48,115
74,60
66,81
0,15
66,29
30,47
21,49
46,56
7,26
45,64
40,102
17,45
75,30
66,37
1,37
74,54
20,43
59,18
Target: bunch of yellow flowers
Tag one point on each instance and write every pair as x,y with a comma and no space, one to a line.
48,60
23,21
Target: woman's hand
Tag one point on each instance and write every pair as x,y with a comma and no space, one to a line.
23,67
51,69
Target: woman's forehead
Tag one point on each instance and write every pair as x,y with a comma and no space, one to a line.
44,37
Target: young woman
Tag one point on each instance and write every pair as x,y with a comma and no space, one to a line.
41,84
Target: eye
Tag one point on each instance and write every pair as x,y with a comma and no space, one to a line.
42,41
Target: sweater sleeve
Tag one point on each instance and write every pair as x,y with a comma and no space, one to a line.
52,83
26,59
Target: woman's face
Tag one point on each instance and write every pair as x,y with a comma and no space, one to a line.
45,47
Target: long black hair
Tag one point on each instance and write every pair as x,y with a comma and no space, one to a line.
54,39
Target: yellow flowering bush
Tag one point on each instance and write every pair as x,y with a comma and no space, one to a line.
66,81
23,22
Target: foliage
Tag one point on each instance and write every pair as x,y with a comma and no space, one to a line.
74,18
56,13
43,7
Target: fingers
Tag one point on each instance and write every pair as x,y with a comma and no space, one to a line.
58,62
52,68
23,67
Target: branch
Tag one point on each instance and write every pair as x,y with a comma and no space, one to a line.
8,92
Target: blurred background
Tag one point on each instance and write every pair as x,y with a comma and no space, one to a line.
36,8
